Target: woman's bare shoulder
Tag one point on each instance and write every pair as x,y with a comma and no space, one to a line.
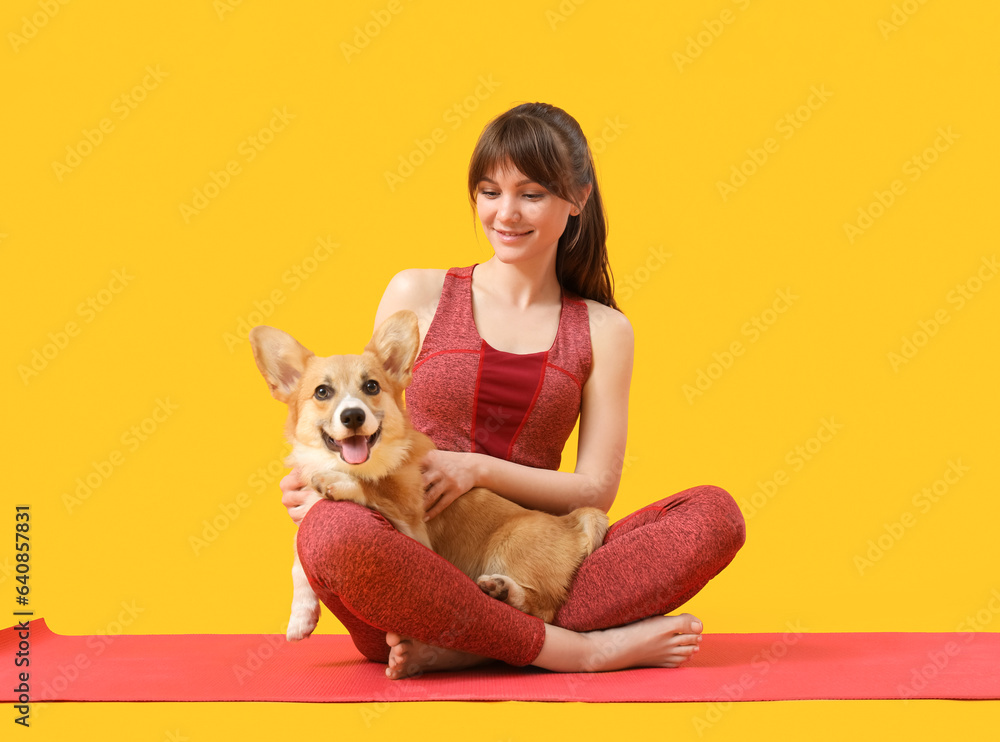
609,328
416,289
418,278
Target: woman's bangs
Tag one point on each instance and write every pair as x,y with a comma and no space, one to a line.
524,144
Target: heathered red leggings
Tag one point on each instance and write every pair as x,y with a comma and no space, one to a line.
375,579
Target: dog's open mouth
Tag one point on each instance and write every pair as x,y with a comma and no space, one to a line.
355,449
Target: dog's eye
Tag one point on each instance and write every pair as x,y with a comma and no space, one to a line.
371,387
323,392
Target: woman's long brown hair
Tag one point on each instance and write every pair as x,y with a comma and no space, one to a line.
547,145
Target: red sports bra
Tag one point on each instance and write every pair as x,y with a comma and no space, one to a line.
468,396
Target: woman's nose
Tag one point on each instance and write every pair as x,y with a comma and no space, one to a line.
508,210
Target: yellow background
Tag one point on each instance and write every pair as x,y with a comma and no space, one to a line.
666,131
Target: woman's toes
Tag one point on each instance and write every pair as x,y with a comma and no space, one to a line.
685,640
393,639
689,624
679,655
399,651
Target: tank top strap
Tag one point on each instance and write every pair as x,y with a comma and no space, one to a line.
453,327
571,352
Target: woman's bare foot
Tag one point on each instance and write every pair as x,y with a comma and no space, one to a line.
408,657
660,641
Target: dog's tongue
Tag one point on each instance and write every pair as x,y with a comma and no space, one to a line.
354,449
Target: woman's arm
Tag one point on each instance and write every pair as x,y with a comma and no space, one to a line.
601,447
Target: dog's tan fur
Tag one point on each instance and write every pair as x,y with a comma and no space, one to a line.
526,558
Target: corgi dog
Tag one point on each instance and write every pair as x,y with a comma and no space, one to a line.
352,440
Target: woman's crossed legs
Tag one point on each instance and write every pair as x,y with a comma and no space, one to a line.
384,586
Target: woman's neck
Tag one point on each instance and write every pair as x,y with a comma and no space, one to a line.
519,284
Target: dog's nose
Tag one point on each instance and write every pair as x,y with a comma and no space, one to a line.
353,418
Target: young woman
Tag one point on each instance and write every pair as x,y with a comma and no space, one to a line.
513,350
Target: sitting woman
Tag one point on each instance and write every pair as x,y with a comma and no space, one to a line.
513,351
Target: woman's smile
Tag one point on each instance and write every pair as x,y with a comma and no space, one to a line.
511,236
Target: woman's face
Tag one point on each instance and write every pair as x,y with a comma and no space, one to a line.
520,217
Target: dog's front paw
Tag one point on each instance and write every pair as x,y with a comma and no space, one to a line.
302,623
334,485
324,484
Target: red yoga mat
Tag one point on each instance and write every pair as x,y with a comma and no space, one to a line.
260,667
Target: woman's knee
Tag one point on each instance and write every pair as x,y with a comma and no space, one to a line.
723,516
335,535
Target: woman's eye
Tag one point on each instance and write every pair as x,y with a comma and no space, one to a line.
488,194
371,387
534,196
323,392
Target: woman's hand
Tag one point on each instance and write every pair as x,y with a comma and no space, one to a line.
447,476
297,496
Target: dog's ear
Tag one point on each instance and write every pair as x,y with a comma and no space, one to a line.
395,343
280,358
